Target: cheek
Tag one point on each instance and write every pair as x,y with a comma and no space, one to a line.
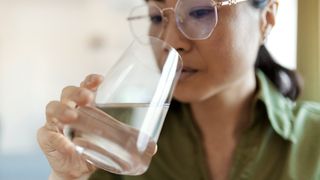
232,49
225,62
226,57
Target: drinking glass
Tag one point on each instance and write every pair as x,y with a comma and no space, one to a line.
119,133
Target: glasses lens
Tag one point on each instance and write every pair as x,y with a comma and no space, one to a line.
146,20
196,19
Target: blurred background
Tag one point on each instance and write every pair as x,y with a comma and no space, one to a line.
48,44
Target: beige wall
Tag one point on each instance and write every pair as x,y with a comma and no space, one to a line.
46,45
309,47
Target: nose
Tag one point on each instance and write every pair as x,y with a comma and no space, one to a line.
172,35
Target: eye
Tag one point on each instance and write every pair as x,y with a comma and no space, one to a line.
156,19
201,12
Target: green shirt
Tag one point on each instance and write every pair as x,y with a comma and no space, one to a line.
282,143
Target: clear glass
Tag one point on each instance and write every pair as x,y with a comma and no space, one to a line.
120,133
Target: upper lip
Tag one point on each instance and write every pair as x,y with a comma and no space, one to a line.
188,69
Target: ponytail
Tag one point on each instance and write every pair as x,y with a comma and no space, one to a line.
287,81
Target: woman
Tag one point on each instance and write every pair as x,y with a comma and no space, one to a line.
234,115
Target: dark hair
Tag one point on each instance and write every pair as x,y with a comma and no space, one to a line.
287,81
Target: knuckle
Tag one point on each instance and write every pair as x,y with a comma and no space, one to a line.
51,107
83,91
85,95
68,93
67,90
82,84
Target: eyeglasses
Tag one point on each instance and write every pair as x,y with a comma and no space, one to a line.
195,19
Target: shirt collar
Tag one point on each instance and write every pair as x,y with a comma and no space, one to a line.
278,107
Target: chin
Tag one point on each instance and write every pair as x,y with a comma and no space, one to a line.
196,95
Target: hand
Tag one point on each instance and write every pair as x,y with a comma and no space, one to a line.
59,150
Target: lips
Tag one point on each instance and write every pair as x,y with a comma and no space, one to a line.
187,72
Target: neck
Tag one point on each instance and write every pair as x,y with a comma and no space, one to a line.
227,114
221,120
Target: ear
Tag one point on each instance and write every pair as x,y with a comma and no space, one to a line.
268,18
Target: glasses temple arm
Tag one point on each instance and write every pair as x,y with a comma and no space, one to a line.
136,17
229,2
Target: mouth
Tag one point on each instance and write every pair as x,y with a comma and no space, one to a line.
187,72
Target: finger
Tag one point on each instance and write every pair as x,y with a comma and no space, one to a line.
73,96
50,141
92,82
58,113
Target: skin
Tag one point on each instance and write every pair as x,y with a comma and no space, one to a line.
60,152
224,82
220,90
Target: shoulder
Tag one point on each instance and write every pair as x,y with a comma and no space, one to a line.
306,127
308,106
293,120
306,118
304,151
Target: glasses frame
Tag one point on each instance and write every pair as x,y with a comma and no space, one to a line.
215,4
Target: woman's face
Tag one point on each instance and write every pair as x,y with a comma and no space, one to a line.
213,65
